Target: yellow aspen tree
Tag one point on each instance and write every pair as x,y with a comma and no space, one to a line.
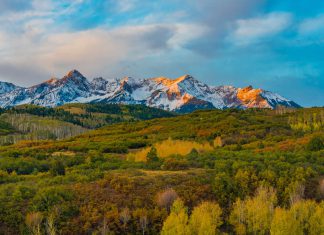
177,221
238,217
302,211
205,219
284,222
316,221
259,211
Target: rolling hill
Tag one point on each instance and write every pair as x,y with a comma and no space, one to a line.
124,177
30,122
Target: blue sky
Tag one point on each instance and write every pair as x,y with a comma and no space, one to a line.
277,45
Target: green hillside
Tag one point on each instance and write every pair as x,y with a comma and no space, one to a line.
5,128
29,122
32,127
94,115
232,172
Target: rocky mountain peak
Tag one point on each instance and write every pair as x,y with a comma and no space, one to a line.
6,87
52,81
99,84
186,77
247,89
74,75
99,80
129,80
183,94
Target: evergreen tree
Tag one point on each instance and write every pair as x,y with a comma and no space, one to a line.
152,155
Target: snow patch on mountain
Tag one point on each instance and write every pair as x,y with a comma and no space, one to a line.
182,94
6,87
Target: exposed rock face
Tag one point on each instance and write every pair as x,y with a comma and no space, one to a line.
252,98
6,87
183,94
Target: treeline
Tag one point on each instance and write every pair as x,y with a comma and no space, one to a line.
138,112
93,115
30,122
258,214
29,127
307,120
254,215
58,114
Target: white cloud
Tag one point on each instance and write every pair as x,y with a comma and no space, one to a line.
36,28
312,25
125,5
218,16
251,30
186,33
33,46
96,52
100,47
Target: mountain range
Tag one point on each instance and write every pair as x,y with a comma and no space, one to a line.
183,94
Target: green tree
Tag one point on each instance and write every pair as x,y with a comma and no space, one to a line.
152,155
246,182
224,188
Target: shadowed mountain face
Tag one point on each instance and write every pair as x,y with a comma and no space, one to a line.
183,94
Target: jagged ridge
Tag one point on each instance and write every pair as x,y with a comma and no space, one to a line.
183,94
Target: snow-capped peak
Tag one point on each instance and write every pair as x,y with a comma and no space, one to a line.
186,77
6,87
168,82
74,74
182,94
52,81
99,84
130,81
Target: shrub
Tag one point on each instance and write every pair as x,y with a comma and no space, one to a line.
57,168
315,144
175,164
166,198
114,149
